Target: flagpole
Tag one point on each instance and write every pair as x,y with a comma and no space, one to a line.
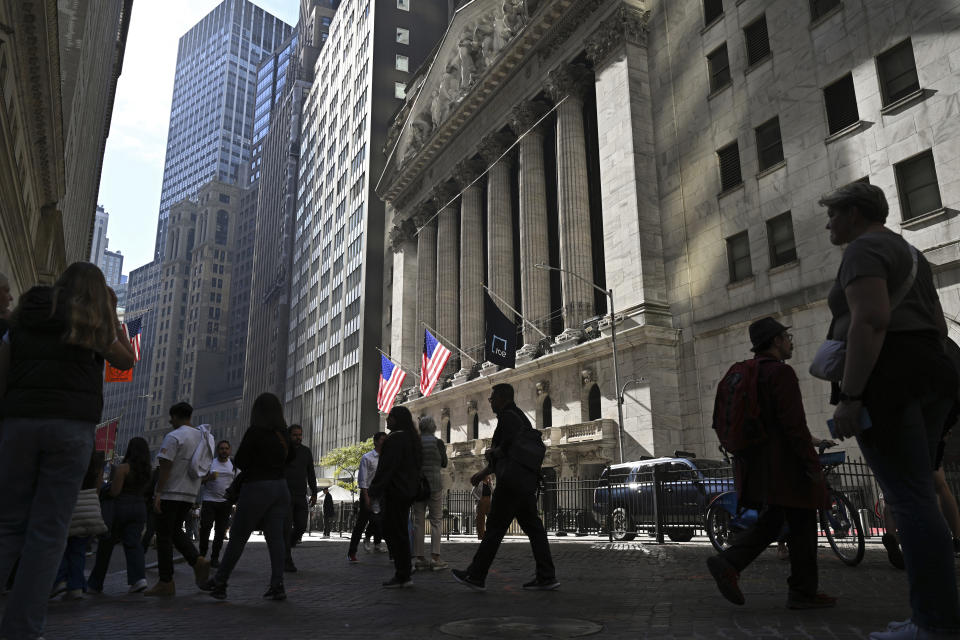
462,352
387,356
517,313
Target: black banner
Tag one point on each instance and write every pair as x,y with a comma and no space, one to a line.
500,345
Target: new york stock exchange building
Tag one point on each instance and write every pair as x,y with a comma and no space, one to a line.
672,153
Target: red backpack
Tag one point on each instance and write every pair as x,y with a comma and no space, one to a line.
736,410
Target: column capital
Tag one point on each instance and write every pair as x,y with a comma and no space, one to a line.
526,114
443,193
423,214
568,80
401,233
627,24
467,171
493,146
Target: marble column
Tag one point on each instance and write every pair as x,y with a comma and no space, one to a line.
499,219
448,254
534,246
471,264
426,270
566,86
404,343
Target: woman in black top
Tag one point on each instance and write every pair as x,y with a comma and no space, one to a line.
264,452
885,307
396,481
128,481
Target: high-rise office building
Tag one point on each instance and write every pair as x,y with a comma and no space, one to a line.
211,114
337,270
98,242
111,263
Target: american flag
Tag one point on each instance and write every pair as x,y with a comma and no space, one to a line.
133,335
391,377
435,357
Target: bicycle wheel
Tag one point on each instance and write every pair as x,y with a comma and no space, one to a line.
717,524
841,524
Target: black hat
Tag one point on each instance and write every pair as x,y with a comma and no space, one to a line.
764,330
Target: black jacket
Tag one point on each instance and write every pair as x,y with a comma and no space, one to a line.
300,472
263,454
328,510
398,472
510,420
49,378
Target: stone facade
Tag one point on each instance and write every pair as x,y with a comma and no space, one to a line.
614,166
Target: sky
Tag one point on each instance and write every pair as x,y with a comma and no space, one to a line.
136,144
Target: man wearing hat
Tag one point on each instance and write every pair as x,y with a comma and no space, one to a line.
781,478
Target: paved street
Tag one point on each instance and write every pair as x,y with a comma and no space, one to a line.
620,590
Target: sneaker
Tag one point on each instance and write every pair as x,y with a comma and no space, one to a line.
910,631
352,557
275,593
397,583
796,600
136,587
288,566
201,570
73,594
58,588
366,546
542,584
727,579
466,579
217,590
437,565
421,564
161,589
894,554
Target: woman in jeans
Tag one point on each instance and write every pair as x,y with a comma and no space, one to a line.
264,497
127,484
885,306
51,381
434,459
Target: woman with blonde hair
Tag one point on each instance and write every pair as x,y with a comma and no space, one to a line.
434,459
51,380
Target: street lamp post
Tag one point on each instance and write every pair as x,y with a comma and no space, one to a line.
613,341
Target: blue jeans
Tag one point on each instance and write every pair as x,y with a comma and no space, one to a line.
902,461
73,563
42,463
265,501
129,516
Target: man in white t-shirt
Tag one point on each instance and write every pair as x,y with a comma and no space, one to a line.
215,512
368,509
175,494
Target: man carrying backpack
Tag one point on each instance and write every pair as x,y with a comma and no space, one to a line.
777,468
515,456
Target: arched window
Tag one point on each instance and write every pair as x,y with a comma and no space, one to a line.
476,427
547,413
593,403
223,224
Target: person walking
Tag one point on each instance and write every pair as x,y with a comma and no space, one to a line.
328,511
396,482
86,523
51,384
887,313
434,459
300,475
215,509
369,514
482,493
780,477
128,482
264,453
515,497
175,493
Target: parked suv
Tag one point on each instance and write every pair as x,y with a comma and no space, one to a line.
625,493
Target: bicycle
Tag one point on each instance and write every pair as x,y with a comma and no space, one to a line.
838,519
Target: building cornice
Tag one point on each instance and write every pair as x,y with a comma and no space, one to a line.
627,24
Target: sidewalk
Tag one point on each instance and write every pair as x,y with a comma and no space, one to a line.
618,590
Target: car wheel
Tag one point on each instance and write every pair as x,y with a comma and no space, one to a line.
718,526
621,525
680,535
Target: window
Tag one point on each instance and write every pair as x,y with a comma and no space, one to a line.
399,90
819,8
841,102
758,43
898,72
403,63
712,9
729,158
769,144
719,66
593,403
917,185
547,413
738,257
403,35
403,5
783,249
